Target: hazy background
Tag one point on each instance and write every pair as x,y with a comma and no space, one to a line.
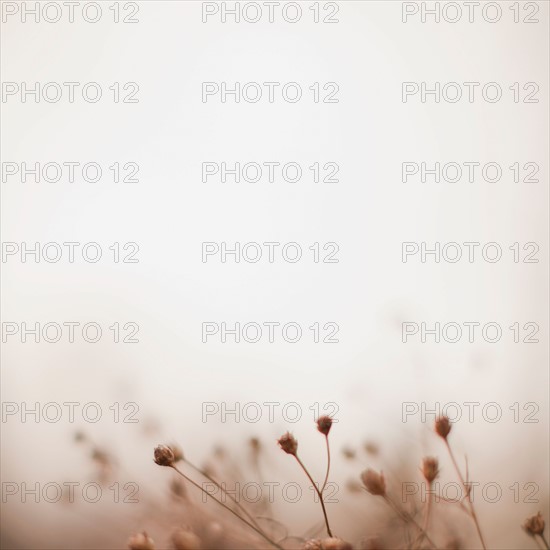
369,213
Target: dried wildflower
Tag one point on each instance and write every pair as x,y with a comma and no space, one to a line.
348,453
534,525
371,448
183,539
288,444
141,541
430,468
324,423
374,482
164,456
255,444
443,426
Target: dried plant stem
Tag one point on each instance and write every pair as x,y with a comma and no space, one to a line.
328,464
467,490
407,517
546,545
318,492
426,521
210,478
246,522
428,510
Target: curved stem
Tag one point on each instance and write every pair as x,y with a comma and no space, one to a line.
328,464
210,478
318,492
472,510
426,520
263,535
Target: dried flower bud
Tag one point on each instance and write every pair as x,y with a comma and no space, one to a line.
534,525
164,456
348,453
182,539
141,541
288,443
324,423
255,444
430,468
443,426
371,448
374,482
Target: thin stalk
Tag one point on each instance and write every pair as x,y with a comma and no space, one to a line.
328,464
318,492
210,478
426,520
263,535
472,509
544,541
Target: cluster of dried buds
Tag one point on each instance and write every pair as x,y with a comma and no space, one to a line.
374,482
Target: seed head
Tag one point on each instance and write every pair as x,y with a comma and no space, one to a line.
288,443
443,426
374,482
371,448
430,468
348,453
534,525
141,541
164,456
255,445
324,423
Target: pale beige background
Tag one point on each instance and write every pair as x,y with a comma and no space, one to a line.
169,293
